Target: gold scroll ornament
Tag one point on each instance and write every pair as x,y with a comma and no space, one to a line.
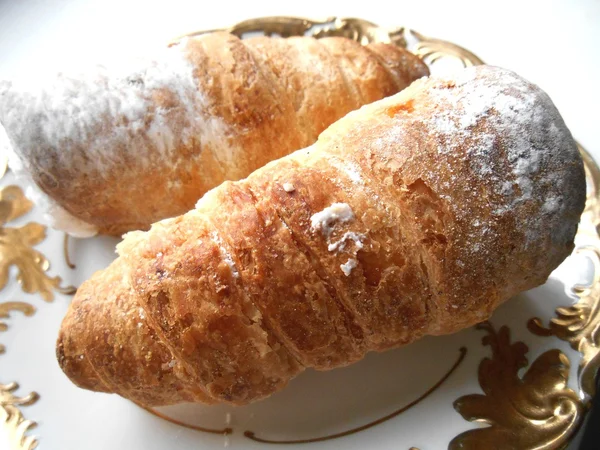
14,424
429,49
536,410
579,325
16,249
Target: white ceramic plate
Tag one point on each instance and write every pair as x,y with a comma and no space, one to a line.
415,394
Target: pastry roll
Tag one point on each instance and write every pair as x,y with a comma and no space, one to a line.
416,215
118,148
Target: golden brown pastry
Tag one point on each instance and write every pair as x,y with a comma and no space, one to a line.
116,150
418,214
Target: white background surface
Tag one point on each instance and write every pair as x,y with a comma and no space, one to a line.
555,44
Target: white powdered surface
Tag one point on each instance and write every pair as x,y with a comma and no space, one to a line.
537,140
116,100
353,172
56,216
524,155
288,187
325,220
348,266
340,244
105,120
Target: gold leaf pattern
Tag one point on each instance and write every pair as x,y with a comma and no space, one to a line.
17,426
359,30
12,419
432,50
13,203
6,307
68,262
535,411
591,215
16,248
579,324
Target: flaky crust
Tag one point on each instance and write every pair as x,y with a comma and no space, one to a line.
120,151
418,214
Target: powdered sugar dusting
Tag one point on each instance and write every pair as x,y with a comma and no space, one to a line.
326,219
54,214
517,154
325,222
348,266
351,169
340,244
288,187
103,107
353,172
92,122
